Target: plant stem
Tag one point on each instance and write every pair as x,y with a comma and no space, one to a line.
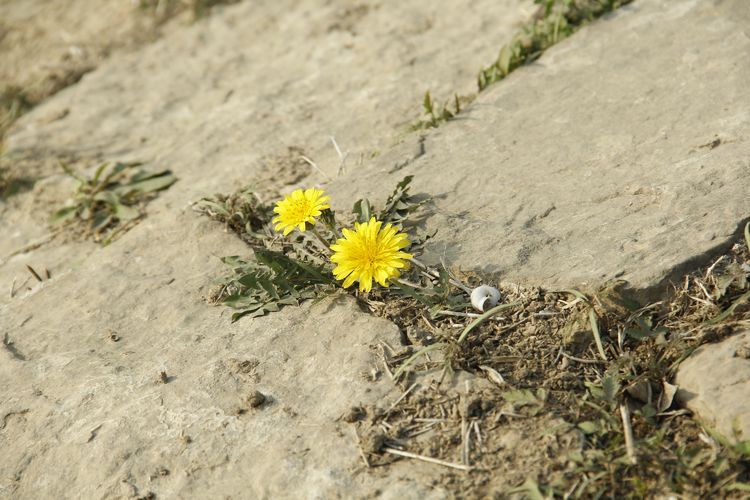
326,245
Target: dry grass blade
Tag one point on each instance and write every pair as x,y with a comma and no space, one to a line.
597,334
481,319
431,460
730,310
628,432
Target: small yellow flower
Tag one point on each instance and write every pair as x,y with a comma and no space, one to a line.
368,253
298,209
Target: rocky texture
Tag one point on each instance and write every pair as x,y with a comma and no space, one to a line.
714,382
620,153
44,44
219,103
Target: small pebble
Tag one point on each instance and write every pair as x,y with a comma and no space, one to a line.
256,399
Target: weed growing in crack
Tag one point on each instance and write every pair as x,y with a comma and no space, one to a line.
13,103
316,256
554,21
163,10
588,377
111,201
590,374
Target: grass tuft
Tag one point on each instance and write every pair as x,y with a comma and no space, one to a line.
111,201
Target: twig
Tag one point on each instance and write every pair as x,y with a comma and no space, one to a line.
705,292
313,165
484,317
34,273
406,392
436,275
431,460
597,335
386,358
408,283
545,313
457,314
710,269
466,439
359,447
479,434
342,156
13,288
581,360
701,300
326,245
629,445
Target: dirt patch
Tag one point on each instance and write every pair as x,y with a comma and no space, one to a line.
588,422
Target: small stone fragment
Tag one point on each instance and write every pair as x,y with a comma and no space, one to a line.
256,399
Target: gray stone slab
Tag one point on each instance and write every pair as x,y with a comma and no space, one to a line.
622,152
715,383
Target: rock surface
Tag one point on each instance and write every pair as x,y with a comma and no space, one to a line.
714,382
620,153
599,159
83,415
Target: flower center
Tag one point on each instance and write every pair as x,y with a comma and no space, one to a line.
301,209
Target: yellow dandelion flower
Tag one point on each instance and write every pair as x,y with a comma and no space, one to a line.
370,252
299,209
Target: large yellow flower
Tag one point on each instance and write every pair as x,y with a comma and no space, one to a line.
298,209
368,253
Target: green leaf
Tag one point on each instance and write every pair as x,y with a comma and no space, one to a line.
483,317
427,103
216,207
363,210
126,213
730,310
63,215
117,171
644,329
588,427
101,220
504,59
521,397
610,387
98,173
530,488
743,448
155,183
597,334
738,487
